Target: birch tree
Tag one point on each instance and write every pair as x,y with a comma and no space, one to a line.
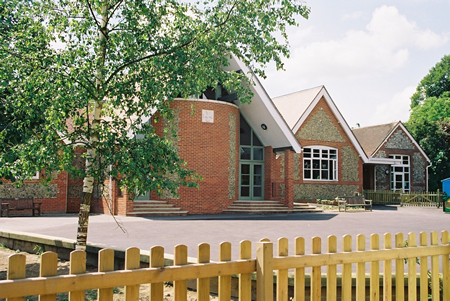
91,72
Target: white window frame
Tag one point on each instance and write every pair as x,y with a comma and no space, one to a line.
323,154
405,170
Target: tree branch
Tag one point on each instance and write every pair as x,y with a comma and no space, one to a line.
122,67
92,13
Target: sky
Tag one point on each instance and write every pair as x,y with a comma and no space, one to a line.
370,55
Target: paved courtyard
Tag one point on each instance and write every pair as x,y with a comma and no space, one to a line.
214,229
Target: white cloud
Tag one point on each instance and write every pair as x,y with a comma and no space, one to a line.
395,109
382,47
354,15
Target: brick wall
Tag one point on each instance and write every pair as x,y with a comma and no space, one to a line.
53,197
208,148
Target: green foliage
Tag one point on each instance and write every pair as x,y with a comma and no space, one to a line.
89,74
429,121
434,84
39,250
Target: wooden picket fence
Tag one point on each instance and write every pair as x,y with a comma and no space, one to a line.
418,278
421,199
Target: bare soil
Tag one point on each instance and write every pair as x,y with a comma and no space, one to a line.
32,270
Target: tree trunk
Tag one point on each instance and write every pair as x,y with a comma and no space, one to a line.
91,157
83,215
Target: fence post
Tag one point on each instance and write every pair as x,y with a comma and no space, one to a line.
16,270
264,271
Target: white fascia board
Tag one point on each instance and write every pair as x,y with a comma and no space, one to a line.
324,93
384,161
400,124
262,107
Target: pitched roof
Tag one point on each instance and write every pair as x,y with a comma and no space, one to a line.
372,137
296,107
292,106
262,111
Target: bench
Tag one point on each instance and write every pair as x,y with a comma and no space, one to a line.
354,201
16,204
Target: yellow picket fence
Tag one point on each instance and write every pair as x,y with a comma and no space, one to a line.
387,270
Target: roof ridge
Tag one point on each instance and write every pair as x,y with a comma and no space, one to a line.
320,86
377,125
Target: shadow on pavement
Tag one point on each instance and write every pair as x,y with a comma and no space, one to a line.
385,208
259,217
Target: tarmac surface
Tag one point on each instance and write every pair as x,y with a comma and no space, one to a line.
191,230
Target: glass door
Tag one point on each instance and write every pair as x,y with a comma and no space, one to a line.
251,181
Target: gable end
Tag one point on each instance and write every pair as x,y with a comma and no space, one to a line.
320,127
399,140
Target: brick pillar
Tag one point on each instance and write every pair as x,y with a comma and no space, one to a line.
268,158
289,178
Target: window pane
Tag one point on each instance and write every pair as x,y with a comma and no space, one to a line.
307,174
258,154
307,153
307,164
245,153
245,180
333,154
257,180
245,169
256,141
405,160
257,192
245,132
257,169
316,175
316,164
324,164
324,174
245,191
316,153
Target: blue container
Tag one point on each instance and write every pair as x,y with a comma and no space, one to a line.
446,189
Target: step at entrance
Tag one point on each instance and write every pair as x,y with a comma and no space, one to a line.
267,207
155,208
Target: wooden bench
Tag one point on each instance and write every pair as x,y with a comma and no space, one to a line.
20,204
354,201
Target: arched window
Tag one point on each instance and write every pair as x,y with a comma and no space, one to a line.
320,163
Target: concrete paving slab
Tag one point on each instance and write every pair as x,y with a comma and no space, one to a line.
145,232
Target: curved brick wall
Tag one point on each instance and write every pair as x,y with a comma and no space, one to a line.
208,141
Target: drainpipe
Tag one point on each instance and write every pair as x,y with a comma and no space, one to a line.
431,164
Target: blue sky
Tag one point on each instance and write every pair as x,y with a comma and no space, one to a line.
370,55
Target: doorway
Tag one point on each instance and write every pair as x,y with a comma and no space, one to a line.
251,164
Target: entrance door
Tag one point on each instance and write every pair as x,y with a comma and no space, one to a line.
251,170
251,187
400,174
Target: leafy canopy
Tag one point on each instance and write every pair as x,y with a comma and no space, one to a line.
130,58
429,121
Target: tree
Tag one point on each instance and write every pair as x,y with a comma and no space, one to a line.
430,119
96,70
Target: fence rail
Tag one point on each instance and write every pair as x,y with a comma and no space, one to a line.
424,279
423,199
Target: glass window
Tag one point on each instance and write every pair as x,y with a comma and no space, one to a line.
400,174
320,163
